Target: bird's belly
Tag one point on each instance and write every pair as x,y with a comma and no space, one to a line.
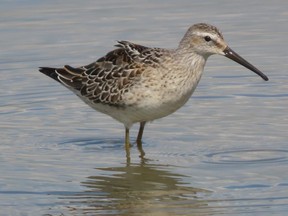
158,110
146,109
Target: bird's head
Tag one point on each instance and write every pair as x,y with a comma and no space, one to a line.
206,40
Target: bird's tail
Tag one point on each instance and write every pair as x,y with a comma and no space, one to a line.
68,76
51,72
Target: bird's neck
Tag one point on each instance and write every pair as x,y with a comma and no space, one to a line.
191,68
192,63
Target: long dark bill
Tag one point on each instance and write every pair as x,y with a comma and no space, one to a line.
229,53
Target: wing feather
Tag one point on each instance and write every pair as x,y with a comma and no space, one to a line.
105,80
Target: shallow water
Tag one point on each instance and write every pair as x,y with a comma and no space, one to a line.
224,153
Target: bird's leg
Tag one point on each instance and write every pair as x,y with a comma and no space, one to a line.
127,138
140,133
127,143
139,139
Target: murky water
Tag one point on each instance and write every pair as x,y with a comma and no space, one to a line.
224,153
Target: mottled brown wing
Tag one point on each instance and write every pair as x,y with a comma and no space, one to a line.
105,80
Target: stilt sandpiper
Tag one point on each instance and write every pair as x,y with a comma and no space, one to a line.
135,83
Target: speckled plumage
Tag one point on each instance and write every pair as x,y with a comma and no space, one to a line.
135,83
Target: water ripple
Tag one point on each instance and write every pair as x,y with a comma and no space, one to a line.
93,143
248,156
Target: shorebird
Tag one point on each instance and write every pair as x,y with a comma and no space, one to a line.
137,84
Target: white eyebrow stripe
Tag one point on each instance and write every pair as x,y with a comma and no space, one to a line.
203,34
214,37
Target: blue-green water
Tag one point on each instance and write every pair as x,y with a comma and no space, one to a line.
224,153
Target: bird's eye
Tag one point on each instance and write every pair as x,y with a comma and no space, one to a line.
207,38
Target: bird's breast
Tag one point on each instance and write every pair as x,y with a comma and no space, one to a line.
163,92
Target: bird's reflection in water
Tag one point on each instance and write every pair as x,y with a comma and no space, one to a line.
136,189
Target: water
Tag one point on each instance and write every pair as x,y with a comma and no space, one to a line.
224,153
